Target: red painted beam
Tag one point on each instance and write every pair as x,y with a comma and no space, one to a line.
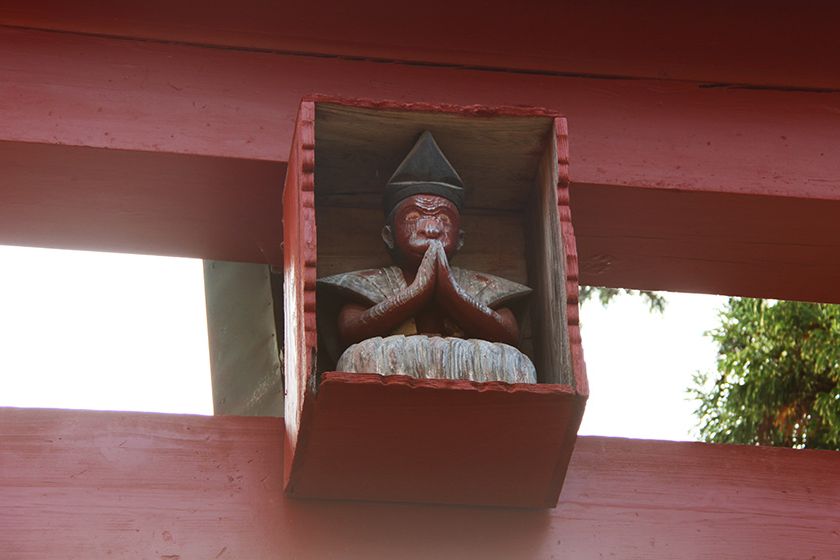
133,485
141,202
733,244
763,42
130,95
196,141
228,209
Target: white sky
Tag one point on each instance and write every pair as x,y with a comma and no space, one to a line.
102,331
640,364
108,331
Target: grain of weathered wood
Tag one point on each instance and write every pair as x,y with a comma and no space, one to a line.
140,202
99,92
299,274
758,246
397,439
653,160
494,242
547,269
767,42
363,146
246,361
132,485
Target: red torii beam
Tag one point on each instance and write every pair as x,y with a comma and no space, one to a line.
193,144
723,181
129,485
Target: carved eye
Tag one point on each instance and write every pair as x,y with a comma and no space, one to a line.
444,219
412,216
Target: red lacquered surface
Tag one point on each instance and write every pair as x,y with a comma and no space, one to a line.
394,438
81,485
768,42
676,186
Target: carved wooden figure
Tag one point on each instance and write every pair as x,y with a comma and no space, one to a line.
423,318
408,378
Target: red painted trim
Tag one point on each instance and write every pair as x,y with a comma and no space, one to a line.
393,438
188,100
300,256
768,42
133,485
404,382
567,234
419,106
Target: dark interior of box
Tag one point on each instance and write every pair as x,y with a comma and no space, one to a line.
508,166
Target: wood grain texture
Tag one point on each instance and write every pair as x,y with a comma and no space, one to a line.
132,485
547,265
436,357
140,202
130,95
397,439
494,242
757,246
658,170
571,279
299,266
246,357
362,143
754,42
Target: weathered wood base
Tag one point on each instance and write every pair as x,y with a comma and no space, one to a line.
77,484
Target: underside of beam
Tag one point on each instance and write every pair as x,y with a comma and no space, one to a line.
81,484
229,209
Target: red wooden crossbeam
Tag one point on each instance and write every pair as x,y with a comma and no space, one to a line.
77,484
132,95
150,146
196,139
758,42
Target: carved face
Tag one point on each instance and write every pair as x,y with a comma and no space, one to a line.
419,219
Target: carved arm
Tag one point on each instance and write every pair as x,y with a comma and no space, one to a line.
357,323
477,319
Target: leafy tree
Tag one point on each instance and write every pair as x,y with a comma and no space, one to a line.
778,380
656,302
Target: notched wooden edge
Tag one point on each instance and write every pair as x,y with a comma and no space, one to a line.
342,378
427,107
567,234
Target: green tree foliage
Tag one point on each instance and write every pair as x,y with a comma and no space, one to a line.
655,301
778,380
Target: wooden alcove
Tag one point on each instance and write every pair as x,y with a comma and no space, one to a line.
393,438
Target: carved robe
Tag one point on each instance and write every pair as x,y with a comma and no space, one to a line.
405,352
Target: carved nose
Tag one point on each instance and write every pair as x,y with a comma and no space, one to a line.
432,228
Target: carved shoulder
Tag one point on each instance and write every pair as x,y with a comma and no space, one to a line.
370,286
491,290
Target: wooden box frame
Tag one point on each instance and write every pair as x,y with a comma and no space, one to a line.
393,438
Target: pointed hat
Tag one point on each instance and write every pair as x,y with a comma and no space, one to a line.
425,170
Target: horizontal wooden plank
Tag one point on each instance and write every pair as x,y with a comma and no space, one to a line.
140,202
769,42
154,148
132,485
396,439
744,245
131,95
229,209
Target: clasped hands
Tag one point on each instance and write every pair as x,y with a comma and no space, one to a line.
434,278
433,285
